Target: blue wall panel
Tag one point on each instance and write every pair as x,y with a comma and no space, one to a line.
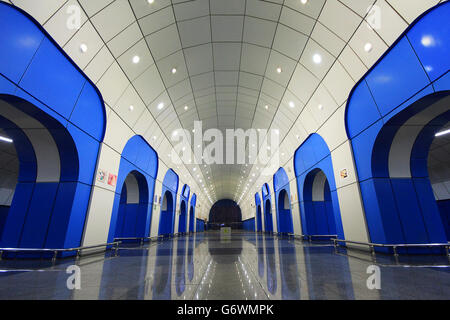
282,189
401,84
34,230
44,83
312,157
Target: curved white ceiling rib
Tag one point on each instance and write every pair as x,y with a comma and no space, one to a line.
226,54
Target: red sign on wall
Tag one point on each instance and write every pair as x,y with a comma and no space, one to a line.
112,179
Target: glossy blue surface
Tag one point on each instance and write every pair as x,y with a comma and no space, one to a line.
39,79
127,220
282,189
310,158
409,78
169,190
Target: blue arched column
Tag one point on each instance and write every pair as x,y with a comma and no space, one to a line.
267,205
282,202
404,88
184,201
40,82
192,213
258,214
311,158
168,205
133,200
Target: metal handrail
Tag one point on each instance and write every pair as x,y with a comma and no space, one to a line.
394,246
115,244
140,239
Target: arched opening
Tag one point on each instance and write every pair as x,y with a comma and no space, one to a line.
44,98
268,216
44,197
133,207
319,213
283,202
392,117
399,191
259,226
191,219
284,213
167,214
182,219
225,213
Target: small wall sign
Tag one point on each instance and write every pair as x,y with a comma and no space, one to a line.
344,173
112,180
101,176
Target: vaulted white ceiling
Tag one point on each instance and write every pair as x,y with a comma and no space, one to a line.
226,54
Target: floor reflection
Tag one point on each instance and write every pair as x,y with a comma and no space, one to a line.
243,266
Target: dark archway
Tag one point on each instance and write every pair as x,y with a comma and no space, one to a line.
183,218
225,212
259,219
268,216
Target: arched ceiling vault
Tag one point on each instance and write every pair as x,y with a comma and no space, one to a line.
286,65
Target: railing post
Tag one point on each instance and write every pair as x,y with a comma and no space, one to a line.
55,254
446,249
372,250
116,251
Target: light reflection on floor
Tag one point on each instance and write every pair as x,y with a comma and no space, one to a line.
246,266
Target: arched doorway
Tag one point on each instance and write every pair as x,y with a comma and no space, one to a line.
132,210
268,219
184,201
392,118
259,224
167,212
319,215
52,147
284,213
183,218
168,196
283,202
268,216
192,213
133,207
320,212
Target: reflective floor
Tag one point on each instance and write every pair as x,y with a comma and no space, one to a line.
241,266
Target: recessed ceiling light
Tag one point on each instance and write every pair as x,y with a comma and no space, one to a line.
368,47
291,104
160,106
136,59
317,58
150,1
154,137
174,70
266,106
320,107
83,48
304,1
279,70
131,108
186,107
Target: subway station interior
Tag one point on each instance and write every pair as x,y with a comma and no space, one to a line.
224,150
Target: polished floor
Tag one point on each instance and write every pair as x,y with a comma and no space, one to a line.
241,266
